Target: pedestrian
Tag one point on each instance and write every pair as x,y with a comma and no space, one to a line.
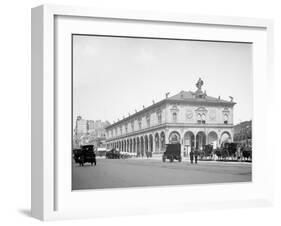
239,153
191,155
196,153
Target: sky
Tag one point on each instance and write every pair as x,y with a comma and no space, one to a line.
113,76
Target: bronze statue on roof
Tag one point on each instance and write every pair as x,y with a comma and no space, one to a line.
199,84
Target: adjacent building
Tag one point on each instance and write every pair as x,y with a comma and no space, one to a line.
192,119
89,132
243,133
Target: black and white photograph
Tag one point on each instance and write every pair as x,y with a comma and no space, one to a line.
160,112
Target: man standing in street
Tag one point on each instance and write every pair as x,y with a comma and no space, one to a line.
191,155
196,153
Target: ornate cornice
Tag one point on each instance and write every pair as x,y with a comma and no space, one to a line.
170,125
160,104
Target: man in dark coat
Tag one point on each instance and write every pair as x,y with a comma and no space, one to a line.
191,155
196,154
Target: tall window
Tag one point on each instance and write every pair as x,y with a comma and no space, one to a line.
159,117
133,126
148,120
225,121
139,122
175,116
126,128
201,118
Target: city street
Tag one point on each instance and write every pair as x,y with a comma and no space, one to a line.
121,173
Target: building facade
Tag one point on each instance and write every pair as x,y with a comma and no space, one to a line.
89,132
192,119
243,133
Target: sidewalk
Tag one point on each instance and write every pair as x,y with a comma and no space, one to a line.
185,159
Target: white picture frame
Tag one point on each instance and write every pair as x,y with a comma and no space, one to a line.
52,197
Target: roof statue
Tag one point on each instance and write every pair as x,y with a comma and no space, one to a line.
187,97
199,84
199,93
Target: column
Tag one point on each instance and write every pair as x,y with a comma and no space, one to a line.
194,141
160,144
154,144
148,144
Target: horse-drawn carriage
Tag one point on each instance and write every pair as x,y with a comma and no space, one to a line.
207,152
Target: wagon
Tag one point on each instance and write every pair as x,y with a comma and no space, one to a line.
85,154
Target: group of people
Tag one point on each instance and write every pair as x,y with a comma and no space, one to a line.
194,153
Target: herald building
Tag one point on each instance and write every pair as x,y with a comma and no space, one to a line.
192,119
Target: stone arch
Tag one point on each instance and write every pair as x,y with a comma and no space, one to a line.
131,145
134,145
146,144
188,142
151,143
213,139
138,146
128,145
142,146
157,142
162,141
200,140
174,137
125,145
225,137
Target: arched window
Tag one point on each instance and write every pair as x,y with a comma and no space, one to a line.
132,126
139,121
175,116
159,116
225,119
199,118
148,120
203,119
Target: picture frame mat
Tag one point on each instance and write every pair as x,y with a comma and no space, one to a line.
59,198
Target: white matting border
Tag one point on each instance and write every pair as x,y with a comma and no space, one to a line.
51,192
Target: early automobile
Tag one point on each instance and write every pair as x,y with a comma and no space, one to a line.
113,154
85,154
172,152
